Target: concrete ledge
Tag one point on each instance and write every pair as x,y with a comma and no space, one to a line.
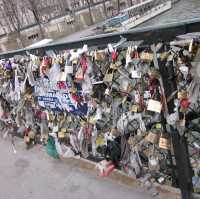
165,192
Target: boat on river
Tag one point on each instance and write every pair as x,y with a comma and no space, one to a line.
136,15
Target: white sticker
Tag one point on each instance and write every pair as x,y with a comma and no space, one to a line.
135,74
153,162
69,69
85,48
62,76
184,69
55,129
154,106
107,91
147,94
110,48
190,46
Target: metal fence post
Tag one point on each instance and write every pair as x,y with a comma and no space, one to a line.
179,143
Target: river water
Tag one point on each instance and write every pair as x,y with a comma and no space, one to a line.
182,10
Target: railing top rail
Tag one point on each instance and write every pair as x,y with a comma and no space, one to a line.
150,34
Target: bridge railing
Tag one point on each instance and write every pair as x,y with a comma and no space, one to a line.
145,36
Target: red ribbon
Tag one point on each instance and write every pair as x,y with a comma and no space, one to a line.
84,63
135,55
184,103
114,56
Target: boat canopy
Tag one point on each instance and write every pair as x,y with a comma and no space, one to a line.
116,20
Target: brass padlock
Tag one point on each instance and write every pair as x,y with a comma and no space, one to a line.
61,134
152,137
182,95
164,56
164,143
113,66
131,141
108,76
31,135
146,56
99,56
134,108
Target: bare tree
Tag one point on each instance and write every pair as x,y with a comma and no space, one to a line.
64,6
5,19
90,11
118,6
12,14
105,9
130,3
32,6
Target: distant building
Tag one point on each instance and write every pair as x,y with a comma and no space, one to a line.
55,18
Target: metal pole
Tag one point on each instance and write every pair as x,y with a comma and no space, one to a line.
179,142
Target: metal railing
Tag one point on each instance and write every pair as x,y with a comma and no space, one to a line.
148,35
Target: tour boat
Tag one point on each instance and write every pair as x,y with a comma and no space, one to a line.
137,14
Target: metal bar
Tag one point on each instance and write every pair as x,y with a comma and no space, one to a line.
148,35
183,168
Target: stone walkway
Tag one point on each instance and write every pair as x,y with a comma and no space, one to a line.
34,175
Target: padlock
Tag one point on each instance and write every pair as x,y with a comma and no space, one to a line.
182,95
115,65
154,73
45,65
164,143
136,74
100,140
62,77
152,137
158,125
134,108
55,129
69,69
182,122
108,76
115,132
153,163
61,134
99,56
79,76
154,105
131,141
31,134
164,56
146,56
74,62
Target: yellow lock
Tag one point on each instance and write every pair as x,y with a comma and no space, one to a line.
31,135
61,134
158,126
182,95
92,120
131,140
164,56
100,140
134,108
64,130
75,61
